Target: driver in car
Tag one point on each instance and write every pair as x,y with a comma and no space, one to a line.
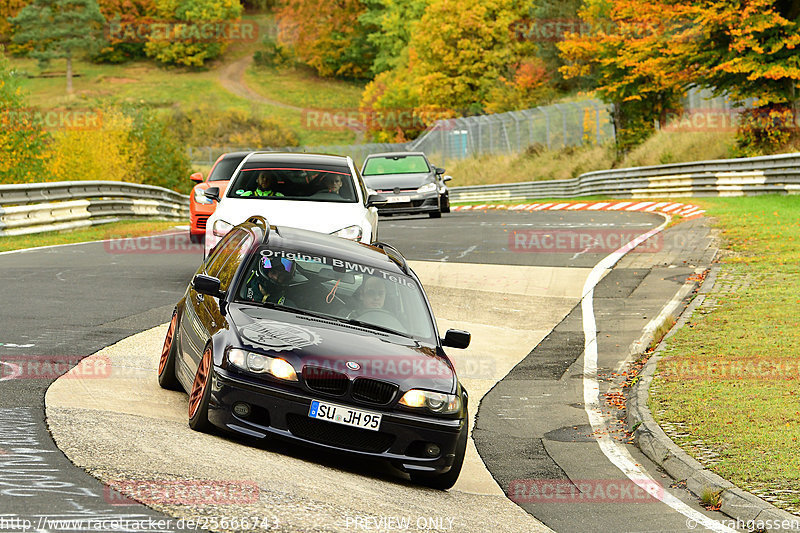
268,283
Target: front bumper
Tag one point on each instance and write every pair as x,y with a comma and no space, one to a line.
417,203
284,414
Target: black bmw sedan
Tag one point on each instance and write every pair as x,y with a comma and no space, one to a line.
323,341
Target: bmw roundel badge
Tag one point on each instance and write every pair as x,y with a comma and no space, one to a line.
352,365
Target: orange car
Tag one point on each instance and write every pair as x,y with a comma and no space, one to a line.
200,207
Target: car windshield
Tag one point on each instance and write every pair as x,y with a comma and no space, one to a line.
265,181
395,164
338,289
225,169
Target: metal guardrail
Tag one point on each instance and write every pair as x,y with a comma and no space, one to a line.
777,174
42,207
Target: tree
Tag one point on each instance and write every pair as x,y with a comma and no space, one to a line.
9,9
59,29
22,141
460,49
631,55
184,44
121,16
328,36
393,21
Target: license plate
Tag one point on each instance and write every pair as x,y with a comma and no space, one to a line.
398,199
346,416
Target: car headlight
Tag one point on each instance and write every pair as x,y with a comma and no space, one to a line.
428,187
221,228
201,198
436,402
353,233
262,364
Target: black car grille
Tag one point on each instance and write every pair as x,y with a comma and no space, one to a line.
373,391
331,434
325,380
201,222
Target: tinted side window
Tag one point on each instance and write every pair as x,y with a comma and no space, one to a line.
235,258
223,250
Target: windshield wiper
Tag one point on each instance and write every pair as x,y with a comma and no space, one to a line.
370,325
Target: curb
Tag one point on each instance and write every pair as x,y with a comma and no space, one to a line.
742,506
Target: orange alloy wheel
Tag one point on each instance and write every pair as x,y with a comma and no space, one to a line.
200,383
167,344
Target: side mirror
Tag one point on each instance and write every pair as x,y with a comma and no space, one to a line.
197,176
207,285
447,178
374,200
213,193
456,338
439,170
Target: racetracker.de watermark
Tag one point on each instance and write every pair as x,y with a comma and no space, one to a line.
585,491
51,119
702,120
202,31
54,366
557,29
399,523
180,492
729,368
579,241
170,243
371,120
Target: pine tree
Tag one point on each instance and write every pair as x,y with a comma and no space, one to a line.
59,29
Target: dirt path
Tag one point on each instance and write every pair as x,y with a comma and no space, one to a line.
231,76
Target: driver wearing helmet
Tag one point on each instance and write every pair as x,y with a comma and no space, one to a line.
268,283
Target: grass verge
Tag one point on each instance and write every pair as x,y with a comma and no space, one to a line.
125,228
730,380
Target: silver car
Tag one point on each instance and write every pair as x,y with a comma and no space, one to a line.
409,183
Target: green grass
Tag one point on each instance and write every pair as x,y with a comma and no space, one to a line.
126,228
732,377
301,87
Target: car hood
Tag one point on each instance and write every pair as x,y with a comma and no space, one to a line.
403,181
323,217
309,341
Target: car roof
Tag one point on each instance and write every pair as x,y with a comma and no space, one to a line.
314,243
297,158
231,155
390,154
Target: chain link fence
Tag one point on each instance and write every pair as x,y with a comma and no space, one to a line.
554,126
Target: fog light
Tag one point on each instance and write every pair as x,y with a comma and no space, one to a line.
432,450
241,409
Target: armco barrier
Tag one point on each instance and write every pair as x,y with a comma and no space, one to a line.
778,174
40,207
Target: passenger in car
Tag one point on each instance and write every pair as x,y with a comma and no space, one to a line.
371,294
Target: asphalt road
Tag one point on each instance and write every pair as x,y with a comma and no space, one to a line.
60,304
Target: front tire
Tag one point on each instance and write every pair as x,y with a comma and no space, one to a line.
166,365
196,238
446,203
200,394
435,214
449,478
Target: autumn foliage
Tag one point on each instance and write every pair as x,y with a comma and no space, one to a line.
327,35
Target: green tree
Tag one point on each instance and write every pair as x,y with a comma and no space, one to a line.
59,29
393,21
184,44
22,141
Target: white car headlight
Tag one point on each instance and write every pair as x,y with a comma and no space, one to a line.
221,228
436,402
353,233
200,197
262,364
428,187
